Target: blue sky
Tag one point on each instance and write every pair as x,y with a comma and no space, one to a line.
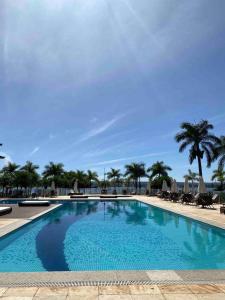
99,83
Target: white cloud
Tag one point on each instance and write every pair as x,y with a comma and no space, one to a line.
35,150
101,129
113,161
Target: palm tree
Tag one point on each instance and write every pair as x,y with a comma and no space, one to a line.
193,177
9,173
91,177
220,152
81,177
1,157
201,141
115,175
159,169
29,175
54,172
30,167
219,175
135,171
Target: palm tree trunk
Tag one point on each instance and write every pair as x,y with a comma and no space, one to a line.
199,166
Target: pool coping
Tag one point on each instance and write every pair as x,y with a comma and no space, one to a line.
99,278
24,221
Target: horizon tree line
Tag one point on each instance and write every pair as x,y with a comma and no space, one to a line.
198,137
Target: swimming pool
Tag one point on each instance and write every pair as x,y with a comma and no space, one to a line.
112,235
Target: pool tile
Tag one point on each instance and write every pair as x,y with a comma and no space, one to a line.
174,289
205,289
210,296
180,297
131,275
76,297
50,291
55,297
144,289
114,290
115,297
83,291
163,275
21,291
147,297
16,298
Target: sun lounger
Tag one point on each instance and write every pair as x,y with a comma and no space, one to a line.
5,210
78,197
204,200
34,203
108,197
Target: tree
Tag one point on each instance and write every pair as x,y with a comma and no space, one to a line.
91,177
135,171
219,175
30,167
159,169
8,175
54,172
81,177
193,177
220,152
114,175
28,175
200,140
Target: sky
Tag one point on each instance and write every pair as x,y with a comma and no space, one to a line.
97,84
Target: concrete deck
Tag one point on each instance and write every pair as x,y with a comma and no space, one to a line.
117,292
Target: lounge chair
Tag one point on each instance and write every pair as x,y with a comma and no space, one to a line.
5,210
174,197
34,203
204,200
108,197
187,198
78,197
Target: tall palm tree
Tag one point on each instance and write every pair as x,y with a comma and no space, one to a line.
159,169
91,177
220,152
9,173
135,171
81,177
1,157
30,167
54,172
11,168
29,175
115,175
219,175
193,177
201,141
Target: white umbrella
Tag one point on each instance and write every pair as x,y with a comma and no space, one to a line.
201,186
149,187
186,186
75,188
164,186
174,186
53,185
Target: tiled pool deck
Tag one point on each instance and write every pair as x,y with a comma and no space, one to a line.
118,284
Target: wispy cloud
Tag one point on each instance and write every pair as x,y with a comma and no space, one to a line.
101,129
113,161
35,150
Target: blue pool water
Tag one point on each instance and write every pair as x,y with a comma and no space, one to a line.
112,235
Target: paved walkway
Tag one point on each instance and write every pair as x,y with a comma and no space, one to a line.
210,216
132,292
